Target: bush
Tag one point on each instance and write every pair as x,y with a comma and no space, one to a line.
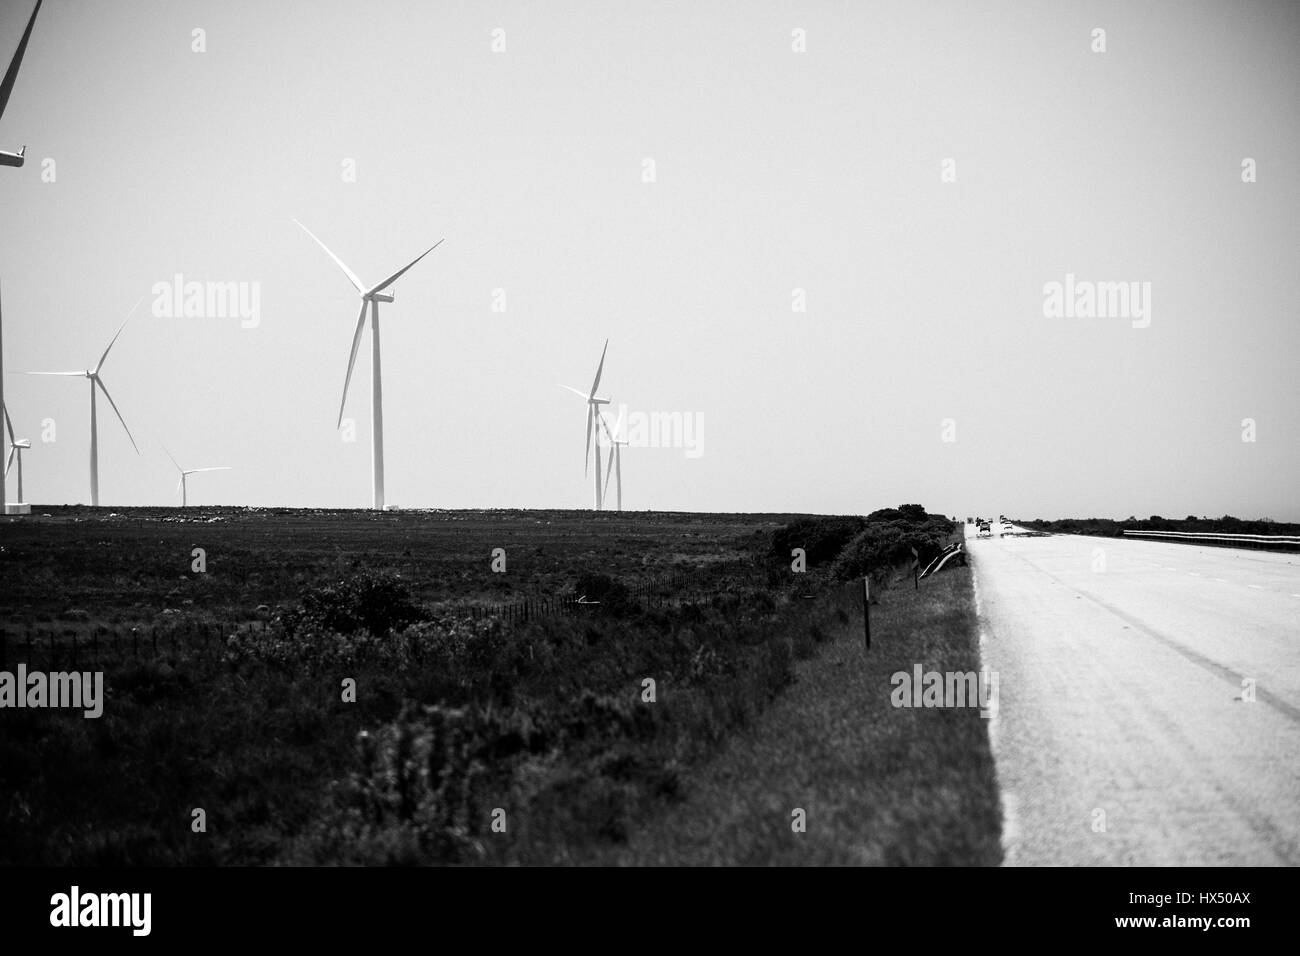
887,542
425,787
821,538
612,594
377,602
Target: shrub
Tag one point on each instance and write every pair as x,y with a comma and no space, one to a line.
821,538
612,594
377,602
888,544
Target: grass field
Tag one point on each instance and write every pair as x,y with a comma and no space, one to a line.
464,738
879,785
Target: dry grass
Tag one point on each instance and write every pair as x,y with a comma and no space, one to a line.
880,785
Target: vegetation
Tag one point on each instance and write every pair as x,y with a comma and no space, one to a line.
880,785
1114,528
457,722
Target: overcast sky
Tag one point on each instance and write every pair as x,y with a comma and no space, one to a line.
774,170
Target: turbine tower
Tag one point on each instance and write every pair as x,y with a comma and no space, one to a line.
616,446
4,485
92,375
370,297
182,486
12,159
593,412
7,85
16,448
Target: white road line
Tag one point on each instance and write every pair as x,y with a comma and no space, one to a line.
1008,801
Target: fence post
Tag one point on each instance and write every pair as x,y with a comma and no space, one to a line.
866,610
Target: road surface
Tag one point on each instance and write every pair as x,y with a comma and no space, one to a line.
1124,733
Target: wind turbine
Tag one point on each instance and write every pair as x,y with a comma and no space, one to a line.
7,86
92,374
4,485
16,448
593,412
12,159
181,485
371,297
615,457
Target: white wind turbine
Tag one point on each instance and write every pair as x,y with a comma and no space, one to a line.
371,297
593,412
16,448
615,467
92,374
182,486
7,86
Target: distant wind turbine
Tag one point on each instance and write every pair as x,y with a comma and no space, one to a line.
182,485
371,297
96,382
16,448
593,411
7,86
616,445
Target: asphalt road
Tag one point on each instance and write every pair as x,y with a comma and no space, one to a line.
1122,734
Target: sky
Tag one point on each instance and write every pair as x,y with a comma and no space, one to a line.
818,234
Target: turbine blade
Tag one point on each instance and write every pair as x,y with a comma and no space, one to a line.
100,363
609,470
618,427
180,481
9,425
587,461
174,461
402,271
13,450
194,471
352,359
575,392
352,276
11,75
599,369
103,388
81,373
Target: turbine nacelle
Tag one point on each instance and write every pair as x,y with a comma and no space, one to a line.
380,297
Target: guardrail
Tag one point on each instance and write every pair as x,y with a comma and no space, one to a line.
939,560
1260,542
